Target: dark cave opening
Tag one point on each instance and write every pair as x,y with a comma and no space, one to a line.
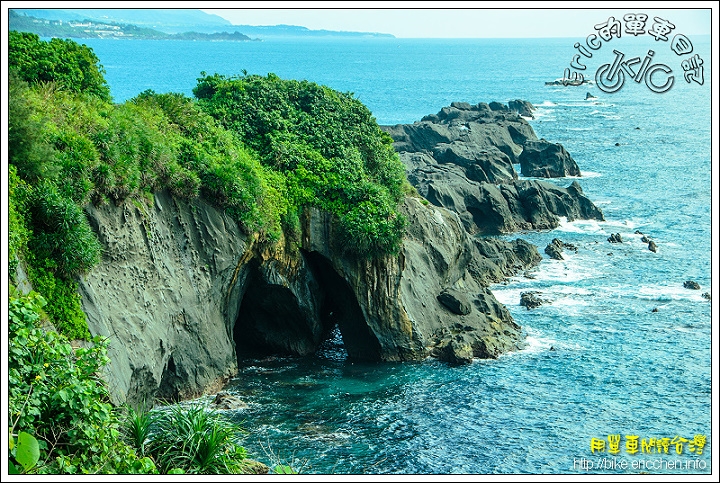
276,320
340,307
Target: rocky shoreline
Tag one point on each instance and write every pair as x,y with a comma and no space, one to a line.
183,294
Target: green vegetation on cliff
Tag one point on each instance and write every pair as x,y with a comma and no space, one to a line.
326,144
260,148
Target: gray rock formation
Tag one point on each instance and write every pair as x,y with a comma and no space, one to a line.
691,284
184,295
555,248
530,300
615,238
524,108
166,293
543,159
226,401
462,159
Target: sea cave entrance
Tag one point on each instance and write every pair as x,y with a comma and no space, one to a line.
316,311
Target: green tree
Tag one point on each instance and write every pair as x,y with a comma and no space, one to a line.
72,66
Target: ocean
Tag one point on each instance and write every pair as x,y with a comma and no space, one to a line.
618,360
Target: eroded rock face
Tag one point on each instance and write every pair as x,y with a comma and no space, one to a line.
183,294
166,293
417,303
543,159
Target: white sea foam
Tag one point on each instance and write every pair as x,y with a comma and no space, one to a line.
544,114
564,271
668,293
507,296
630,224
546,103
535,341
579,226
572,306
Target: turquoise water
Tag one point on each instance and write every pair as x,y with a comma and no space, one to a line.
600,359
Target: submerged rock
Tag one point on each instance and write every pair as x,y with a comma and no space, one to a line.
226,401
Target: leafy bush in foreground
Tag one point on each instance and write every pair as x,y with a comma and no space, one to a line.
56,395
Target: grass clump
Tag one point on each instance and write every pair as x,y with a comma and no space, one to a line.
187,439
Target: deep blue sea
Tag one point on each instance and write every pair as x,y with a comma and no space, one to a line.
622,349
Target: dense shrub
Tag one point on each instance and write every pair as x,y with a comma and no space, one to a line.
27,150
230,175
326,144
18,232
61,231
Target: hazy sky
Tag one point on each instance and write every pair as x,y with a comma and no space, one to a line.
460,21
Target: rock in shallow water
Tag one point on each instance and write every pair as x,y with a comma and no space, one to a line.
530,300
692,285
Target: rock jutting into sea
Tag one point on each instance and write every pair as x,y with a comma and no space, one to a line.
462,159
183,294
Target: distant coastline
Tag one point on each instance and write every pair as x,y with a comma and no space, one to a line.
89,29
61,25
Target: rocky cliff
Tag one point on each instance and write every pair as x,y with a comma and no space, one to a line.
183,294
166,292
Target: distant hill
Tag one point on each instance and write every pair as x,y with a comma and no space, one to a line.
90,29
297,31
174,21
